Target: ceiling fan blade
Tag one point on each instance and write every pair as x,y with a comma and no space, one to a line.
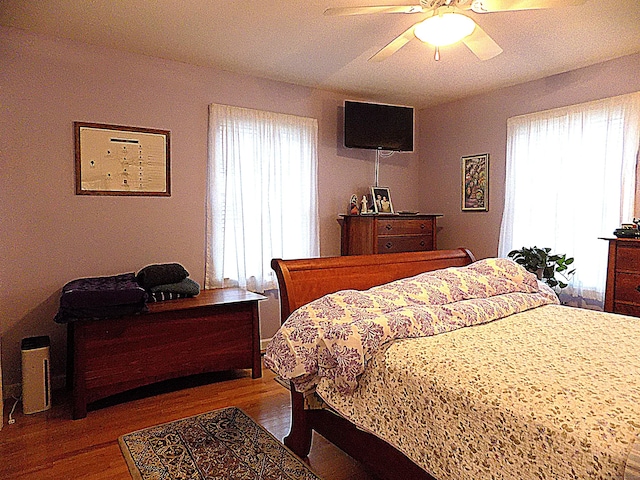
481,44
340,11
395,45
485,6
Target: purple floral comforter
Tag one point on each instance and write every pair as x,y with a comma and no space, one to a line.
336,335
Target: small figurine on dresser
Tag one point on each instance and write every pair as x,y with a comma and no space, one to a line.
353,205
363,202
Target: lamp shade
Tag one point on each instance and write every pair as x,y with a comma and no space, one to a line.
444,29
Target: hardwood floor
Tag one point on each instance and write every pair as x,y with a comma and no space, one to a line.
49,445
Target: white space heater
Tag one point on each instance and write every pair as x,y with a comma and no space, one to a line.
36,384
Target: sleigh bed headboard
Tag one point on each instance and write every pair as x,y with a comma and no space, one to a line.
304,280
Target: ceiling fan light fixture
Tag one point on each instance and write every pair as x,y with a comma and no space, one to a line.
444,29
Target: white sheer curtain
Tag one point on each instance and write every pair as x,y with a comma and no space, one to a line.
570,179
262,194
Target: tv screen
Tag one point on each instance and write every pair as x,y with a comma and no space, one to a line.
377,126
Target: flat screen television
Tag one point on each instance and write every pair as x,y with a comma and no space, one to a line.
378,126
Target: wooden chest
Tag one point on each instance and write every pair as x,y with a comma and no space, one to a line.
215,331
623,277
370,234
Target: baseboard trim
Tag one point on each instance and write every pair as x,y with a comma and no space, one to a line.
59,381
14,390
263,344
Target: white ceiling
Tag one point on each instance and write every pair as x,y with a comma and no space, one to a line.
291,41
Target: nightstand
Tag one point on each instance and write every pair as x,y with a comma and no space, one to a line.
623,277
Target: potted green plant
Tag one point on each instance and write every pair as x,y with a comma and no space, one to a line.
553,269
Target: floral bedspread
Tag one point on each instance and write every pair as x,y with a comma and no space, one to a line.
335,336
550,393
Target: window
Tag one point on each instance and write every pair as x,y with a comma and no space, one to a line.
262,195
570,179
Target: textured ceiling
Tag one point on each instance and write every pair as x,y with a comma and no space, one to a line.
292,41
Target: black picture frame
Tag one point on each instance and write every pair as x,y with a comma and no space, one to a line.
382,200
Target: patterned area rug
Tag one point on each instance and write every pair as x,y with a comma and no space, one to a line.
223,444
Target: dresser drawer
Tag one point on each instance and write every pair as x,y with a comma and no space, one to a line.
398,243
373,234
626,288
628,258
404,227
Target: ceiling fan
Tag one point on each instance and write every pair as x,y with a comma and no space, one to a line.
446,23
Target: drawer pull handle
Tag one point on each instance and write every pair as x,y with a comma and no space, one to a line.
388,226
422,244
388,245
423,226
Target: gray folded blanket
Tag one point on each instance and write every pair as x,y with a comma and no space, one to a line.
161,274
187,287
163,296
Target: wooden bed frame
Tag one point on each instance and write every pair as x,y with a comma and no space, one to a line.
302,281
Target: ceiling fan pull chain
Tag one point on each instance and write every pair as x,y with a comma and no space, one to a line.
437,55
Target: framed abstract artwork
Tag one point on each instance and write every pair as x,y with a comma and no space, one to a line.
475,183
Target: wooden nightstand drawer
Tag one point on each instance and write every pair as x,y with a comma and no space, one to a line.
397,243
626,309
397,226
626,288
623,277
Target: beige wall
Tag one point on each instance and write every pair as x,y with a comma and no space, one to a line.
479,125
50,236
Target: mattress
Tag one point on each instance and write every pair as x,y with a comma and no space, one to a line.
551,392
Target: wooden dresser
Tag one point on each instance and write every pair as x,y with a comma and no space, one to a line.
623,277
1,396
369,234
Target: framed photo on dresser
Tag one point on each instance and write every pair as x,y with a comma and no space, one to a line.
382,200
